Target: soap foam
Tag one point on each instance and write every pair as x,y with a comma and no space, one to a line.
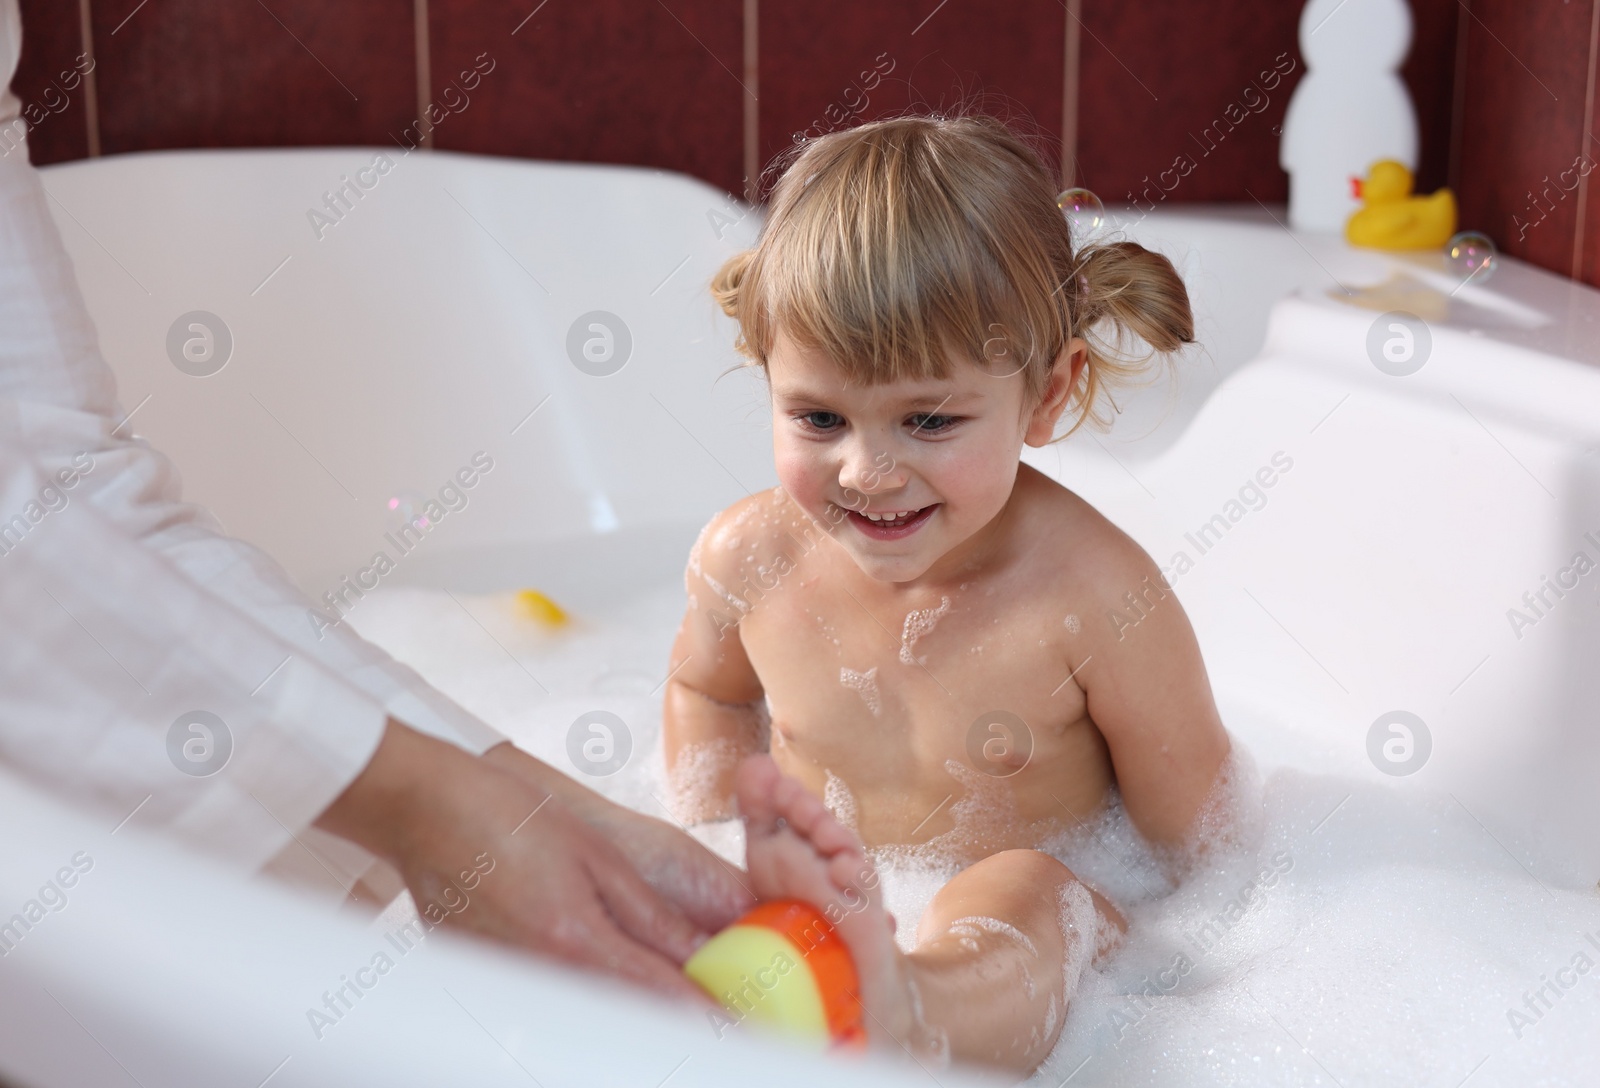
980,924
919,622
692,781
864,684
837,799
1339,929
1081,934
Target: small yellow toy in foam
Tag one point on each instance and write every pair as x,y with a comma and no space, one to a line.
1394,219
536,606
783,966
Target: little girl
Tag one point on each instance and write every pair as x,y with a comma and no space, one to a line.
914,623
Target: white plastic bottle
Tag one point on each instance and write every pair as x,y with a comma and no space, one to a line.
1349,110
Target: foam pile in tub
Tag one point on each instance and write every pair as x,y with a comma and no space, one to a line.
1357,936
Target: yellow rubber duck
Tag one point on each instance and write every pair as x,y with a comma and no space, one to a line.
1393,218
541,609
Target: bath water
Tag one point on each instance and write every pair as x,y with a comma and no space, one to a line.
1351,934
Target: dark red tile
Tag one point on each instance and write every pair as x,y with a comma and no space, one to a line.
1522,125
1164,81
827,64
49,82
1430,76
248,73
648,83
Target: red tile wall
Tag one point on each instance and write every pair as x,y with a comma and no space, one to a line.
652,82
1523,125
1152,90
1149,90
1504,89
1430,74
51,43
827,64
252,73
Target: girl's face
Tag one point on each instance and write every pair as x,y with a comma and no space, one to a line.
906,475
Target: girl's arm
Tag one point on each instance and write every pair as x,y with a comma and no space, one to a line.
1149,695
714,712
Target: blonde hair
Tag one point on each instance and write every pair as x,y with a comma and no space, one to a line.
901,244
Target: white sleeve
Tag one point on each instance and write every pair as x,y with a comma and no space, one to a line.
203,612
131,689
58,396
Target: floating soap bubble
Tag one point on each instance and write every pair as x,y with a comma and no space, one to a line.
407,510
1083,210
1471,255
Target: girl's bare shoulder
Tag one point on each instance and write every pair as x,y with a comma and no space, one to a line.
746,535
1078,546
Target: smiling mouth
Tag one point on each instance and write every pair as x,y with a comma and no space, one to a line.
891,524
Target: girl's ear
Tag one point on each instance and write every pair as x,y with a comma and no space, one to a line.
1064,378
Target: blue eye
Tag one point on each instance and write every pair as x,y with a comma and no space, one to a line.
927,423
821,421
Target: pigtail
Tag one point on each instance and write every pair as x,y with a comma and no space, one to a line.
727,287
726,283
1125,290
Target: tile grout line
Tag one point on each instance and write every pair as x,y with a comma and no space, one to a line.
422,46
91,98
1587,144
752,101
1070,71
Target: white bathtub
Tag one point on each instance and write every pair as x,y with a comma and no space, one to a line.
428,323
389,370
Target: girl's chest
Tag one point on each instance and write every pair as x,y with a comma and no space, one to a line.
888,692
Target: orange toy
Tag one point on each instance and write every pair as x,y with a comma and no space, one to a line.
784,965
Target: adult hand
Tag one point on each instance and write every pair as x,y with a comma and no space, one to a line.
711,893
490,851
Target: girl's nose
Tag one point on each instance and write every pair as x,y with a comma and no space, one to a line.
871,471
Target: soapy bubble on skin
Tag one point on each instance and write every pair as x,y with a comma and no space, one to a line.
837,799
694,568
1080,934
971,934
738,604
966,941
864,684
1392,941
919,622
1105,849
984,924
697,771
929,1044
983,809
1231,817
